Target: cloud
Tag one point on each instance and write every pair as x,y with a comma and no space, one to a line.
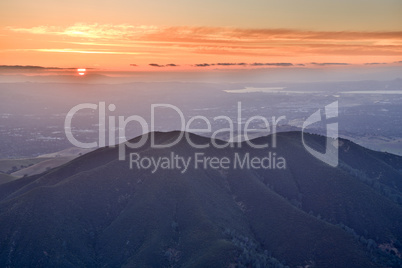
159,65
91,31
126,31
79,51
144,39
36,68
31,67
93,51
229,64
202,65
275,64
243,64
374,63
280,64
398,61
272,64
329,63
156,65
133,65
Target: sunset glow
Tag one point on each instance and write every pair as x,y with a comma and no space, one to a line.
180,44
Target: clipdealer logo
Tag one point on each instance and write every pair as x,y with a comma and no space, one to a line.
271,161
331,150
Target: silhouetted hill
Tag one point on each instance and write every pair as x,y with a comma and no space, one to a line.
97,212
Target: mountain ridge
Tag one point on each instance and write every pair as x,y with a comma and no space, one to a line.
95,211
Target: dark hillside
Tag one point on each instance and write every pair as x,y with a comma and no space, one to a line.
97,212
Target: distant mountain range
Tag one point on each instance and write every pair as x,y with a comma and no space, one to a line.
97,212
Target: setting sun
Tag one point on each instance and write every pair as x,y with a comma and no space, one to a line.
81,71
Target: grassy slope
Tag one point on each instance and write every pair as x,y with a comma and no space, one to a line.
4,178
42,166
7,164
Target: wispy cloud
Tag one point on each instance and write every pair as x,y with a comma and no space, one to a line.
229,34
209,34
159,65
375,63
231,64
244,44
156,65
31,67
68,50
272,64
280,64
93,31
329,63
36,69
202,65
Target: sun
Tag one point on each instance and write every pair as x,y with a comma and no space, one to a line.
81,71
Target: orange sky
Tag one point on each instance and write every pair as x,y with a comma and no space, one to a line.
185,35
